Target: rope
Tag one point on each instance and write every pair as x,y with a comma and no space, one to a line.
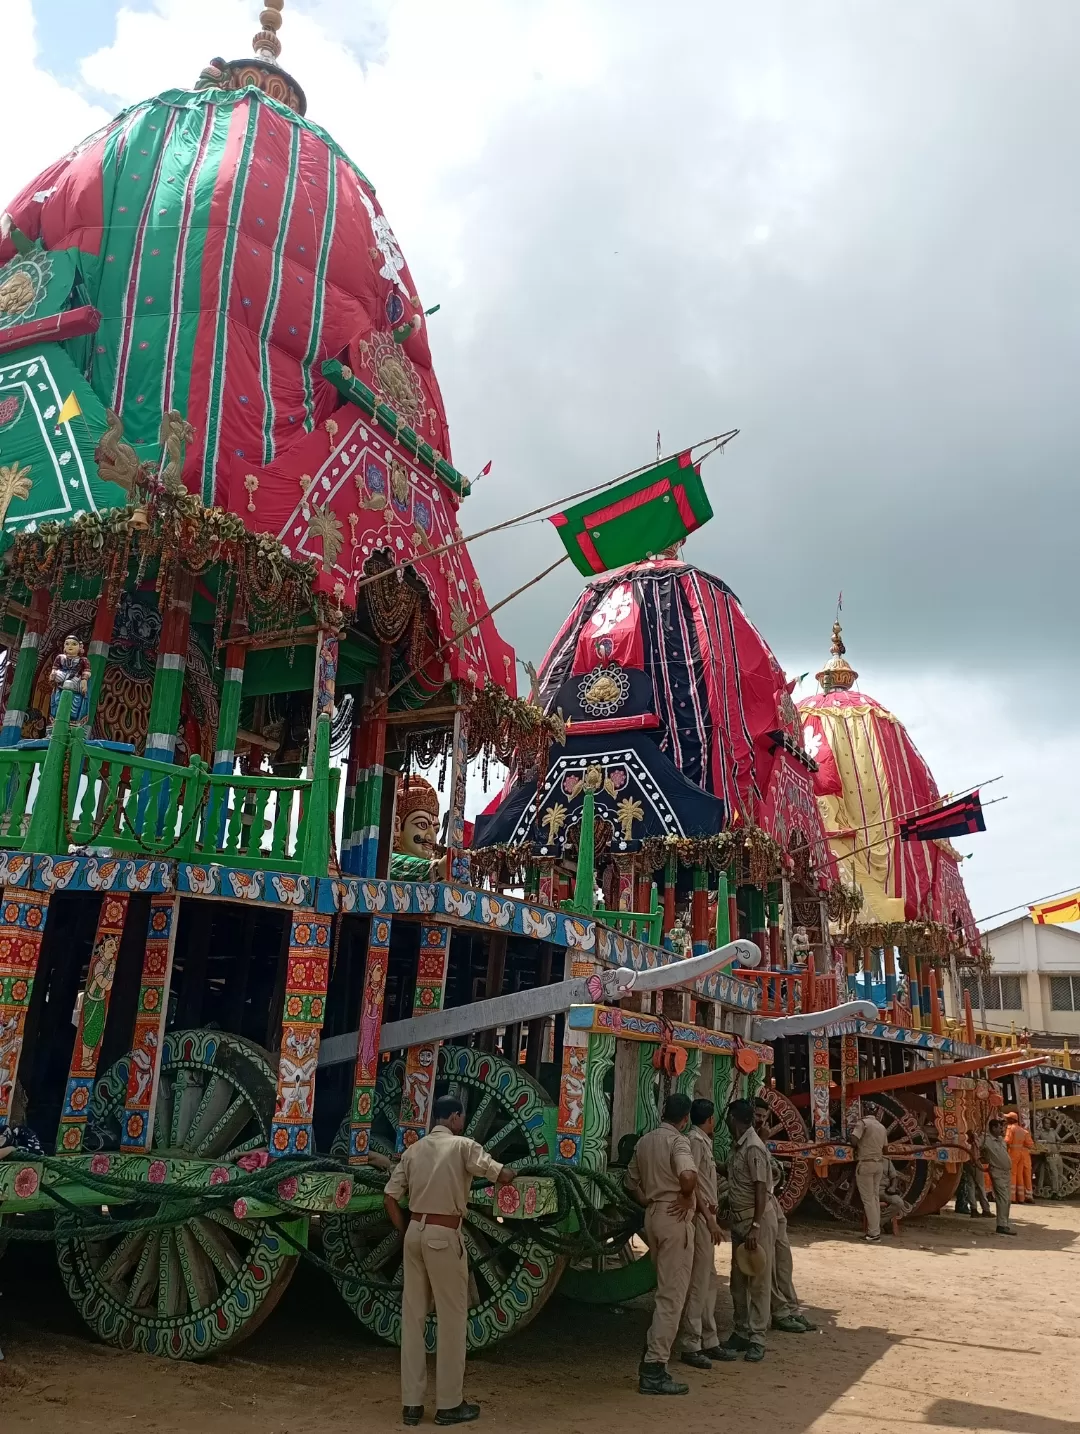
592,1212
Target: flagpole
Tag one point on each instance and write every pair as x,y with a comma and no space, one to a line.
718,440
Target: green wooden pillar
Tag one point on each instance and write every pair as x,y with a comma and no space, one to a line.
229,711
22,683
723,911
171,667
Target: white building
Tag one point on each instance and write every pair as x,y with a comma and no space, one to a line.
1034,979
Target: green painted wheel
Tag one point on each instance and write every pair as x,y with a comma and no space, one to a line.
505,1110
614,1277
192,1289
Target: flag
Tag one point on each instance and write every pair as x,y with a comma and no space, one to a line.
635,519
1054,913
69,411
827,782
959,818
483,471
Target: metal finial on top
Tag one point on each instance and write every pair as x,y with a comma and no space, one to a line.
837,675
266,44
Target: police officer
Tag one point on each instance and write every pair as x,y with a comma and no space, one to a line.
999,1166
662,1176
870,1138
786,1315
435,1175
699,1339
752,1212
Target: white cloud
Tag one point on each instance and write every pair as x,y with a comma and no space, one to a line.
43,119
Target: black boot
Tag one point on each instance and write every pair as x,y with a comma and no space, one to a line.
412,1413
463,1414
696,1359
654,1379
720,1354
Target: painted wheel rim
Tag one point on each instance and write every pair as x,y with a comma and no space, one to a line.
505,1111
784,1123
837,1192
193,1289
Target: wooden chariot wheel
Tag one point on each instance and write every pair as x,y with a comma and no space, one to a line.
784,1123
837,1192
195,1288
1068,1124
505,1110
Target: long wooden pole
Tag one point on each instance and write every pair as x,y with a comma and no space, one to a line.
993,1064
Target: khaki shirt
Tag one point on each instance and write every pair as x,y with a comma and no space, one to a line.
747,1164
701,1147
996,1154
436,1173
870,1138
659,1158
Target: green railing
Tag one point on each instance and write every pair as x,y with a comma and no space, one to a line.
641,925
20,776
75,793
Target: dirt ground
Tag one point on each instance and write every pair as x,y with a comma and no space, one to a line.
950,1328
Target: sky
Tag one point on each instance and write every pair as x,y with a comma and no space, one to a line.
844,227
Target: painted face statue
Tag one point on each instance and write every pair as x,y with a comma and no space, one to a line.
417,820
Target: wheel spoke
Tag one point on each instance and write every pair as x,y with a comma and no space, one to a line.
215,1099
494,1142
230,1222
474,1129
199,1277
146,1273
226,1129
187,1091
123,1257
218,1247
170,1290
377,1256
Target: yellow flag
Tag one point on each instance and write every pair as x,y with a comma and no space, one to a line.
69,411
1054,913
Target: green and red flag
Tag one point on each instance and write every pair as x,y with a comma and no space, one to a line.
636,519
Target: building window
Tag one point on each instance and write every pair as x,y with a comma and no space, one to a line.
1065,993
999,993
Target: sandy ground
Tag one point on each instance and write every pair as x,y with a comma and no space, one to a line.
950,1328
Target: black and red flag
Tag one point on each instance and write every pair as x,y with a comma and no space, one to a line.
959,818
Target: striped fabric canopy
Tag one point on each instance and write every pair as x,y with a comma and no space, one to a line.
870,774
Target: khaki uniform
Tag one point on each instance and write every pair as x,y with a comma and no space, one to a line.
699,1316
659,1159
436,1175
1052,1169
784,1299
870,1138
751,1298
995,1153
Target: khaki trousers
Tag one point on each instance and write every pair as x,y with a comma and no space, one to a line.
751,1299
868,1175
1001,1184
699,1317
436,1273
671,1244
784,1299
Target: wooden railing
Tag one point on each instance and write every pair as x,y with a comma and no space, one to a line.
73,793
640,925
785,993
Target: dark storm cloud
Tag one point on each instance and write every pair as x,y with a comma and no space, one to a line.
847,229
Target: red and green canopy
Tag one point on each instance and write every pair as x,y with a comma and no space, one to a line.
637,519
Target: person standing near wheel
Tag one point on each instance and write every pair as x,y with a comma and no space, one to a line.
662,1176
870,1138
699,1339
995,1153
435,1176
786,1315
752,1212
